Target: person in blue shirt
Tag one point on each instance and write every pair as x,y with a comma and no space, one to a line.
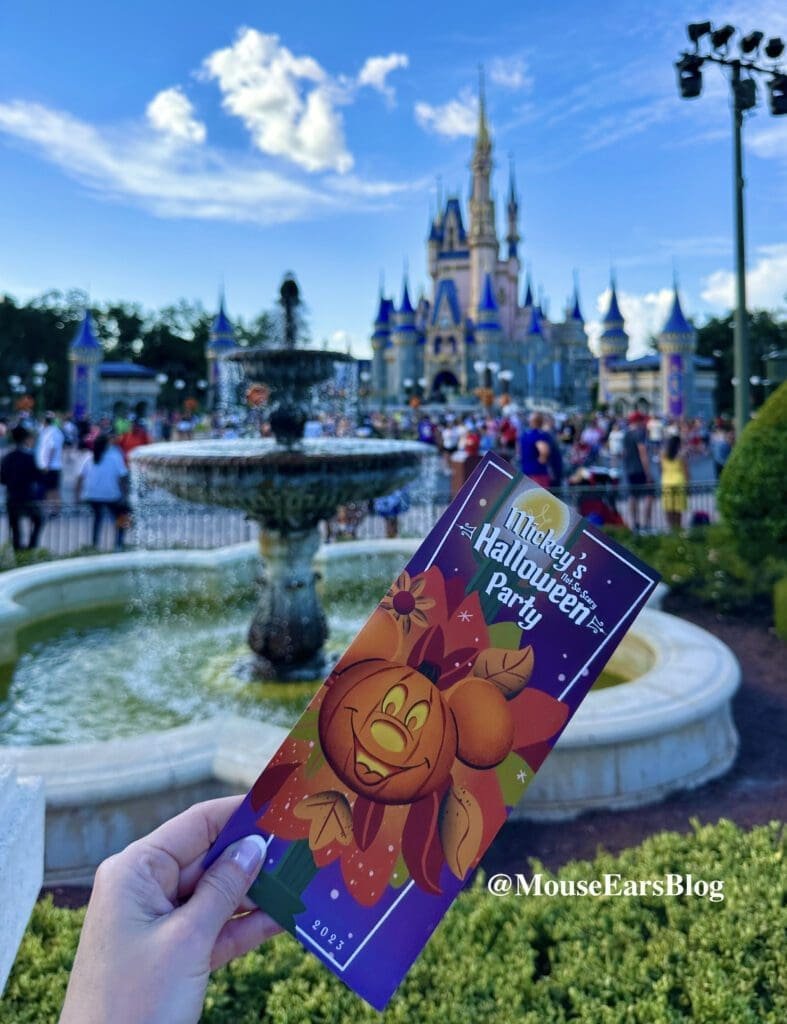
535,448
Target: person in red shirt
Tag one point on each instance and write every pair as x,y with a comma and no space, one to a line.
133,438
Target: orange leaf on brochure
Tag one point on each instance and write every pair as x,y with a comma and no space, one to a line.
461,829
329,816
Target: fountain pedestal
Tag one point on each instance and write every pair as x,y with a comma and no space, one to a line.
288,628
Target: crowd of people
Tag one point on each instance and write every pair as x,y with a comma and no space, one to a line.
597,453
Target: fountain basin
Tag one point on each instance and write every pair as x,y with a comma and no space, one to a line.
285,488
669,727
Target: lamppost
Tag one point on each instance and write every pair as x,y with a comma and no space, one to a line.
744,97
486,374
39,380
505,377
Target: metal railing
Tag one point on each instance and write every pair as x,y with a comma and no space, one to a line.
156,524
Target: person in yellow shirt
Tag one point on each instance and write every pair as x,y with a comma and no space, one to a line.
674,480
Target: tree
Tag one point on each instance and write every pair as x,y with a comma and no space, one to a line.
715,339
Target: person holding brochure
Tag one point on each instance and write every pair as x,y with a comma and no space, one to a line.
156,925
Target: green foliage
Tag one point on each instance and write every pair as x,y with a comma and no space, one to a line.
780,607
752,492
766,332
495,960
707,565
171,340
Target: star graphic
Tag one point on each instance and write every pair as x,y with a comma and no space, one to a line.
465,616
521,775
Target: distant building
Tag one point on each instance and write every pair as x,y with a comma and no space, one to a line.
674,381
100,388
221,340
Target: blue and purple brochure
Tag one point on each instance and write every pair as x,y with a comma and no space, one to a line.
406,763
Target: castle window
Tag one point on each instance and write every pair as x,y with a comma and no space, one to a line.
452,343
438,343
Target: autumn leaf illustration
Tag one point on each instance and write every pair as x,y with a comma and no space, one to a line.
329,817
461,829
421,846
510,671
367,818
269,783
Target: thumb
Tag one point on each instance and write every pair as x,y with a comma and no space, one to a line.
221,889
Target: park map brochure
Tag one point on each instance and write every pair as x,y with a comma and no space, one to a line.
387,792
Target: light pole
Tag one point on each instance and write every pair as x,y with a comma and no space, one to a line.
40,371
744,97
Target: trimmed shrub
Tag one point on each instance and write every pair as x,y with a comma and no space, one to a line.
706,565
529,960
753,487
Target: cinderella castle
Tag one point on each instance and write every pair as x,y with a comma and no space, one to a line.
473,332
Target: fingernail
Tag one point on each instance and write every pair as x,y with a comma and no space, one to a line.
249,853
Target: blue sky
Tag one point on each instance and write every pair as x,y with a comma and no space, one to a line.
150,150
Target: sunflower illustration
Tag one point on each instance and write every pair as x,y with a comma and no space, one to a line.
405,602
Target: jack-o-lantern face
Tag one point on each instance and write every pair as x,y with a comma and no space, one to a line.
387,732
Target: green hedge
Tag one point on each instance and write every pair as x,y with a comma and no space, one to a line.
780,607
707,565
753,487
648,960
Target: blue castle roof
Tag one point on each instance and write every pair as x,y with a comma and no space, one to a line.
576,312
452,206
536,326
488,303
406,306
613,314
528,293
85,339
446,292
676,321
222,333
384,311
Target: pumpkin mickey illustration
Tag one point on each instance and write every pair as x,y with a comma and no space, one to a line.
392,736
395,768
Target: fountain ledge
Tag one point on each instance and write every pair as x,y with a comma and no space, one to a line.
669,728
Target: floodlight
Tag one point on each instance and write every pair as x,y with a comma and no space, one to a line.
751,42
777,87
721,36
689,76
697,30
746,94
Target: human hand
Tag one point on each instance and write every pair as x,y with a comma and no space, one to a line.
156,925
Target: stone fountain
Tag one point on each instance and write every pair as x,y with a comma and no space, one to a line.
287,484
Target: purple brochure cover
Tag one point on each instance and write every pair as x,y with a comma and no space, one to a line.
406,763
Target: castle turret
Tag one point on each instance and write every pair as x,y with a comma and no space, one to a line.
405,340
381,340
483,235
487,326
85,356
512,209
533,350
221,340
578,358
677,345
527,302
614,344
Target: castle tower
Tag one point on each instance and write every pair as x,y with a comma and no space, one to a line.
677,345
405,339
85,355
527,302
614,343
381,340
512,209
488,332
578,356
221,340
482,235
533,350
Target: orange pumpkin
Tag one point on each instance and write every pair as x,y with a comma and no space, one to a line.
387,732
486,728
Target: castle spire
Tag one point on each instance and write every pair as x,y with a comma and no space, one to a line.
512,237
483,139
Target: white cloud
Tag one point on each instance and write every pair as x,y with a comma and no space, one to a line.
510,73
375,71
287,103
454,118
135,164
766,282
643,315
171,113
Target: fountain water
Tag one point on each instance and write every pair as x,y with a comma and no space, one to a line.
288,485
